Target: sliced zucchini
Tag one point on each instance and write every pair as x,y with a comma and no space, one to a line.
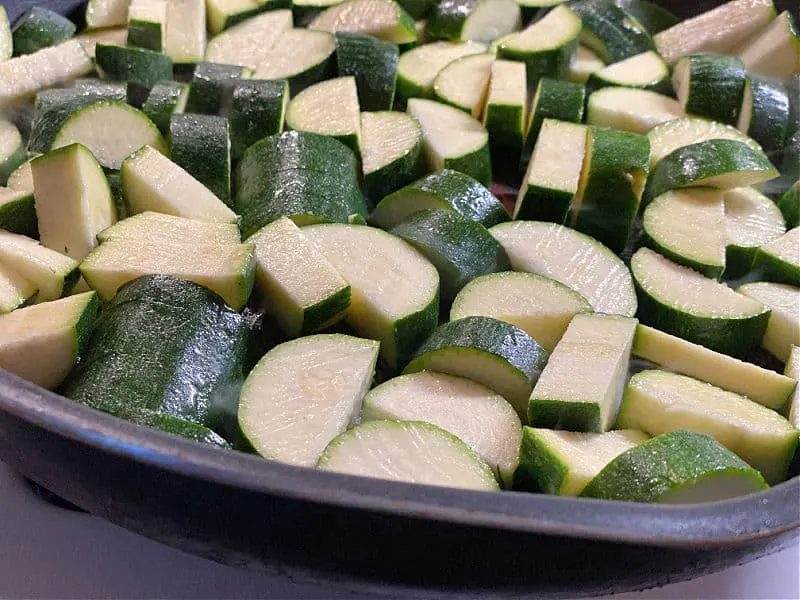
152,182
373,64
584,63
15,290
631,109
12,150
710,85
506,103
659,402
164,100
679,467
185,41
113,36
106,13
793,371
452,139
140,67
572,258
410,451
775,51
258,108
391,151
464,83
751,220
42,343
475,414
680,301
6,40
765,114
444,189
301,56
72,199
248,43
201,144
783,330
147,24
689,227
304,393
610,31
564,462
653,17
766,387
490,352
21,179
212,86
417,69
718,30
477,20
789,204
300,288
533,10
17,212
779,260
38,28
52,273
646,71
222,14
151,243
394,289
383,19
554,172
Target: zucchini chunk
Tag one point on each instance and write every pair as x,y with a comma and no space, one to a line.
646,71
779,260
775,51
106,13
302,56
373,64
17,212
383,19
477,20
391,152
147,24
610,31
789,204
39,28
201,144
212,86
12,150
584,63
15,290
711,86
783,329
113,36
464,83
764,115
185,37
250,42
51,272
418,68
164,100
506,103
628,109
258,108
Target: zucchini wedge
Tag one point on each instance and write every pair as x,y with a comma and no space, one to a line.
17,212
504,116
201,144
53,274
185,37
38,28
15,290
628,109
418,68
258,109
779,260
646,71
383,19
764,115
464,83
373,64
775,51
476,20
610,31
783,329
711,86
106,13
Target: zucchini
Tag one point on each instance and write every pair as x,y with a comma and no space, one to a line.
113,36
302,394
572,258
599,348
475,414
564,462
610,31
72,199
152,182
185,40
391,151
653,17
533,10
763,386
164,100
42,343
689,227
17,212
141,68
464,83
6,39
147,24
779,259
789,204
248,43
783,329
506,103
303,57
201,144
38,28
659,402
452,139
411,451
212,86
793,371
633,110
477,20
15,290
149,243
394,289
106,13
258,108
711,86
444,189
765,114
52,273
679,467
775,50
646,71
418,68
12,150
222,14
373,64
21,179
383,19
584,62
680,301
305,11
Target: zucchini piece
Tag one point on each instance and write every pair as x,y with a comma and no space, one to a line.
613,179
720,29
248,43
411,451
789,204
689,227
303,57
137,355
152,182
464,83
17,213
458,247
763,386
765,114
751,220
632,110
493,353
572,258
679,467
52,273
584,63
598,347
779,260
6,39
541,307
147,24
546,46
304,393
185,40
680,301
42,343
212,85
659,402
300,288
151,243
21,179
452,139
506,103
164,100
12,150
15,290
308,177
113,36
373,64
383,19
653,17
476,20
475,414
201,144
610,31
554,172
418,68
793,371
394,289
646,71
444,189
258,107
710,85
564,462
222,14
328,108
718,163
533,10
305,11
783,329
775,51
106,13
391,151
72,199
24,76
39,28
141,68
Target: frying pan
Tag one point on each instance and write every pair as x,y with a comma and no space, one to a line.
373,535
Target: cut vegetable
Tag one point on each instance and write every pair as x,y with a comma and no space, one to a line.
783,330
751,220
222,14
12,150
391,151
141,68
779,260
644,71
185,41
478,20
52,273
147,24
22,178
248,43
584,63
506,103
630,109
793,371
163,101
765,114
106,13
42,343
39,28
113,36
654,17
710,85
383,19
15,290
576,260
682,302
464,83
373,64
257,110
201,144
410,451
212,86
394,289
304,393
775,51
17,212
789,204
610,31
417,69
301,56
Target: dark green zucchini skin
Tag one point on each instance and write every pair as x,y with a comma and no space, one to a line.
166,346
